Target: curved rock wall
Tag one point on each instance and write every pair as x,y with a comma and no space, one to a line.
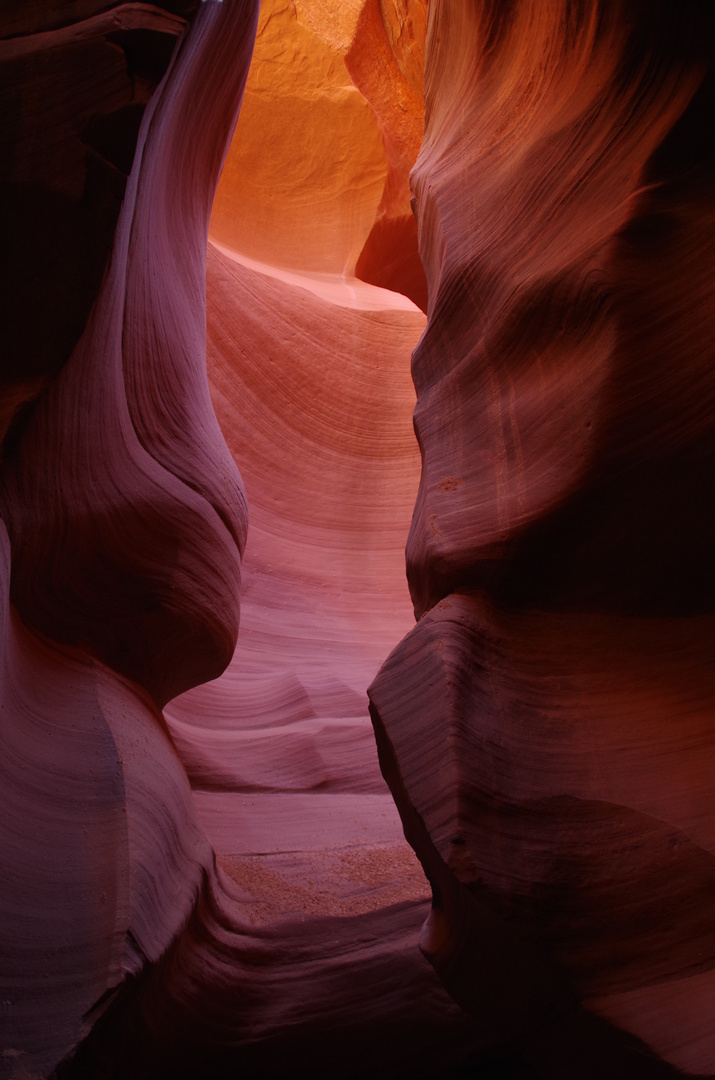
129,947
317,177
546,725
75,79
123,563
322,427
125,510
545,728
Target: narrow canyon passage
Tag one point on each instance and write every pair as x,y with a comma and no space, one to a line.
309,372
125,537
330,488
203,872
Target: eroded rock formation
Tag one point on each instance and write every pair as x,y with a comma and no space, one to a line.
386,62
330,486
317,177
125,558
75,79
126,950
545,724
203,875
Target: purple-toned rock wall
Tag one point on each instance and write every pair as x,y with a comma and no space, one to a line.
203,869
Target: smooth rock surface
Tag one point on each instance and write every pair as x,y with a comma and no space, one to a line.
322,428
130,948
123,561
75,79
546,728
305,173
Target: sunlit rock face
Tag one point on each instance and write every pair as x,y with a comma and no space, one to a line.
386,62
204,873
305,174
129,947
317,176
547,727
310,386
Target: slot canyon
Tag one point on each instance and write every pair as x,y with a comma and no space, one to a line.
358,423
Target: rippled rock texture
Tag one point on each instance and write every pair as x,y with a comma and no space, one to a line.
203,870
266,920
547,727
125,513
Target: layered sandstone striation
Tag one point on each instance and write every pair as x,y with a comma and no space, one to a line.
546,728
203,869
123,562
331,486
130,947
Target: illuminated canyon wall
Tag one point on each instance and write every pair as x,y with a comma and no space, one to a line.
203,868
547,727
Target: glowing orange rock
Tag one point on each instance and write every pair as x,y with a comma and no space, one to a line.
306,169
386,62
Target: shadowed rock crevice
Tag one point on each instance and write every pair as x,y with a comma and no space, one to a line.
72,99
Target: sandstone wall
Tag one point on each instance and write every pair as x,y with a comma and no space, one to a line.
203,870
546,728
